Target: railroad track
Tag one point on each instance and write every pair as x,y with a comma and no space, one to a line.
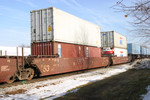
37,79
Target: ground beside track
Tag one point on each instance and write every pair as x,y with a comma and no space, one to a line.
59,86
126,86
129,85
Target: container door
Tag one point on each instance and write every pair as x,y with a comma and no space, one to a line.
37,26
41,25
107,39
33,27
44,25
49,35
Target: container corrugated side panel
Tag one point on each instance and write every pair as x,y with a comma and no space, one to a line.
120,41
107,39
129,48
120,52
44,26
142,50
41,25
71,29
111,39
37,30
67,50
145,51
42,48
148,52
133,49
103,39
136,49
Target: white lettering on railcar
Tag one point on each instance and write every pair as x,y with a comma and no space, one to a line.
45,68
4,68
8,61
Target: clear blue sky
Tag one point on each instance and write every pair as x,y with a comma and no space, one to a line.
15,17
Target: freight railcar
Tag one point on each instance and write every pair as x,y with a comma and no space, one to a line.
25,68
136,51
60,43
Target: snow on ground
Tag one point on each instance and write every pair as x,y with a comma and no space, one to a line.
50,89
140,64
147,95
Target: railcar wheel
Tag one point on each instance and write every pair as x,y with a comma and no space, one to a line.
11,79
30,73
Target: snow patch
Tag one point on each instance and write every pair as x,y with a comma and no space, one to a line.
147,95
141,64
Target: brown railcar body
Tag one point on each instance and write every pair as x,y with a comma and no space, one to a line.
50,66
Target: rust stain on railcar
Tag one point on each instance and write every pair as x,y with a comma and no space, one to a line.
50,66
7,68
120,60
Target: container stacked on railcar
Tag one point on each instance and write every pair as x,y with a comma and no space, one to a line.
144,51
114,43
134,49
137,51
54,31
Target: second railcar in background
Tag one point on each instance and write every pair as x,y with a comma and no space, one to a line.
137,51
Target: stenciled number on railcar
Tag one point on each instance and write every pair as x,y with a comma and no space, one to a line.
45,68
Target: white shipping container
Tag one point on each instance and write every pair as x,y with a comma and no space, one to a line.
52,24
119,52
113,40
12,51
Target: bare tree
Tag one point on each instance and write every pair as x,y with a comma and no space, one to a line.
23,45
139,12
